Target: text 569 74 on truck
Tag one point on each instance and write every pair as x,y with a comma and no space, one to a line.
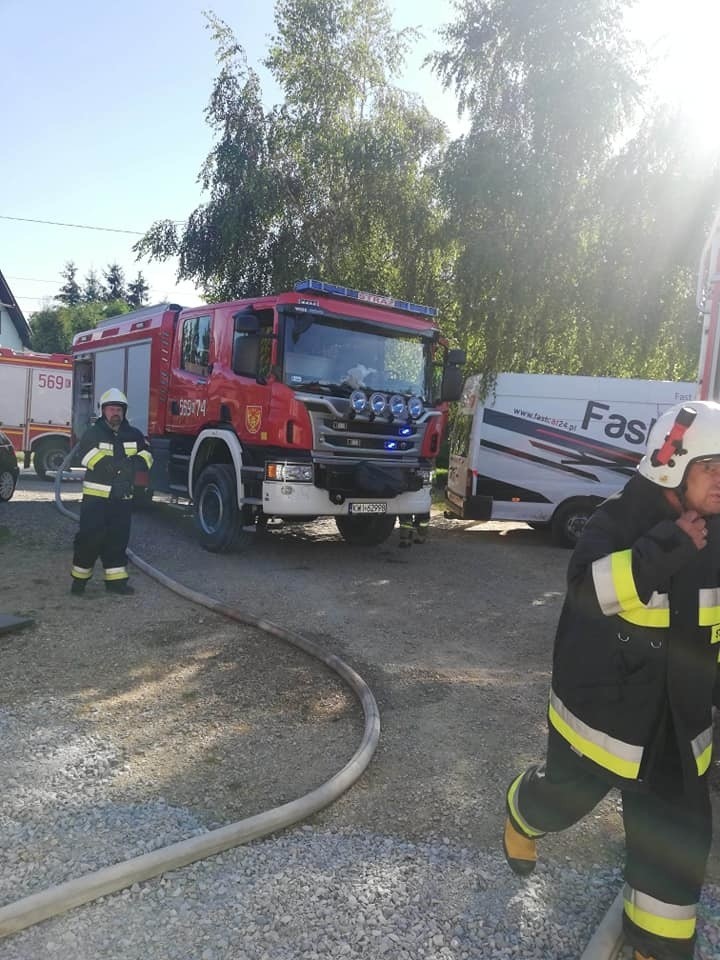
319,401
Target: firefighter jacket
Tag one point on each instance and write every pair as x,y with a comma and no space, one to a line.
110,459
635,662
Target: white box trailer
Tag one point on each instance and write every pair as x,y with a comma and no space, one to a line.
547,449
35,404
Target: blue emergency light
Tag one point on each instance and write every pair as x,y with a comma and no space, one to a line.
334,290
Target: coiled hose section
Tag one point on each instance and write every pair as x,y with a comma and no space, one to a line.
58,899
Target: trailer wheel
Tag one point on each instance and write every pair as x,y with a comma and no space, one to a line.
217,514
569,521
365,531
48,457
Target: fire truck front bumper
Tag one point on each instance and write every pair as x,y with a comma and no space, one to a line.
346,489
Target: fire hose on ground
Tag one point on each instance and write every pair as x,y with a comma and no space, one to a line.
72,893
606,943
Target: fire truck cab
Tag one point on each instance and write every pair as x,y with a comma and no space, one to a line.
320,401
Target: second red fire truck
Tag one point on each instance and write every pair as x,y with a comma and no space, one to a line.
319,401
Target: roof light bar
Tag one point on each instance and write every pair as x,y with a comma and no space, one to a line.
334,290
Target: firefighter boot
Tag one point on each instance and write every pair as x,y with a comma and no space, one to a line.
520,851
421,531
406,536
121,587
78,587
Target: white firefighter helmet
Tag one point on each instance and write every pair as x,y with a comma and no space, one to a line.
684,434
113,395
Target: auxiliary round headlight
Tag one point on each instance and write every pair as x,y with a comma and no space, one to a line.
415,407
397,405
378,402
358,401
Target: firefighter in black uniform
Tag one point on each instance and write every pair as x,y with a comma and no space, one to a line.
635,678
111,451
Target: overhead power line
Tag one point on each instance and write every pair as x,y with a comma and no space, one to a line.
78,226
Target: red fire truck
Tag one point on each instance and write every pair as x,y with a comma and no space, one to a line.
35,398
319,401
708,303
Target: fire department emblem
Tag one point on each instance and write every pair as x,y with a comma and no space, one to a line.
253,418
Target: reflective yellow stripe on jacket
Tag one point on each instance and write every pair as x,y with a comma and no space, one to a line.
617,595
615,755
90,489
662,919
147,457
93,457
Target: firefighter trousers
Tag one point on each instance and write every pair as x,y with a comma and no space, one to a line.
104,532
667,843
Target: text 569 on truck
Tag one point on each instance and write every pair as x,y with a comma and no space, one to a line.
548,449
319,401
35,396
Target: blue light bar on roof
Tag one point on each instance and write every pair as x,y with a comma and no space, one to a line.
335,291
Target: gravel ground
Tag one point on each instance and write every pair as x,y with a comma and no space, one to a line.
127,725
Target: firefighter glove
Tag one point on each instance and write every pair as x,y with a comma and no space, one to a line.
121,490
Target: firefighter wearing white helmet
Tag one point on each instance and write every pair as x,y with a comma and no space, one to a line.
634,682
114,455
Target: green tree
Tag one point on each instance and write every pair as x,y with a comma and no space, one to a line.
137,291
547,89
92,288
47,334
53,328
70,293
340,182
114,286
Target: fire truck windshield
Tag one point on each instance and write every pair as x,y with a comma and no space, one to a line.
323,354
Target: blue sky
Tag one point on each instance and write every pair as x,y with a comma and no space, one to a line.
103,107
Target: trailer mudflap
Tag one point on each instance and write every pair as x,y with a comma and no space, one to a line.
469,508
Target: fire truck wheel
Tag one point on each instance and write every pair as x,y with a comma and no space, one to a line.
569,520
217,515
48,458
365,531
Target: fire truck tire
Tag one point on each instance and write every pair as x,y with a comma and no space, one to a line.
365,531
217,515
569,520
48,457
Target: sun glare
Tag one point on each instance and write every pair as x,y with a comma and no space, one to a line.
682,38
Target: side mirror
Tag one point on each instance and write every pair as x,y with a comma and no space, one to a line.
452,384
246,322
456,357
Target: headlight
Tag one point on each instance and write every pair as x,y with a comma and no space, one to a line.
397,405
289,472
415,407
358,401
378,403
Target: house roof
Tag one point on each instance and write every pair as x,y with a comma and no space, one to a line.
8,301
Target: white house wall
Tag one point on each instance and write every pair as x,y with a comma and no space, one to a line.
9,336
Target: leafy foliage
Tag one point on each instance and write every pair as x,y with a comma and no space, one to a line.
560,233
70,293
340,182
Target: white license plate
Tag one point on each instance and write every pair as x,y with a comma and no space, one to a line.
367,508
